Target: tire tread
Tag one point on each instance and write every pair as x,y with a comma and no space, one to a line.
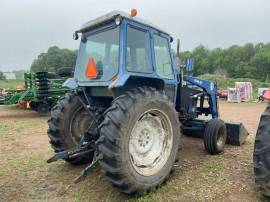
261,154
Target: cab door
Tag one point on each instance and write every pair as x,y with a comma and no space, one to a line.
163,64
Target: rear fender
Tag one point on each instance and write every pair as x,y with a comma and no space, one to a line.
128,82
70,83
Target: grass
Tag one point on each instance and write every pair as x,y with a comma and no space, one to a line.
12,84
224,83
197,176
15,127
23,163
78,196
214,167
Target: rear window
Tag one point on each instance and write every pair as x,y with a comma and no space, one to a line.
103,47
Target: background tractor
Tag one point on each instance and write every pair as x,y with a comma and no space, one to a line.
41,90
130,105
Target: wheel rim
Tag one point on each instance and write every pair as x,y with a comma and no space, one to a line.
221,138
150,142
80,122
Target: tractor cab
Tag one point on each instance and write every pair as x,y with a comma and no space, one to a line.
120,50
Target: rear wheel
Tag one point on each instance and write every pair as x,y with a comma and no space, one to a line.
43,108
261,155
215,136
68,123
139,140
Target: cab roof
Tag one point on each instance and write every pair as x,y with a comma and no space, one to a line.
112,15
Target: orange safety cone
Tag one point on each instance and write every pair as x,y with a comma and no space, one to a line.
91,71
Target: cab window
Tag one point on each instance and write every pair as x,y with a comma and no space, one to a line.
162,57
103,48
138,51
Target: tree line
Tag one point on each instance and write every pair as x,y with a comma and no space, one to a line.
54,59
247,61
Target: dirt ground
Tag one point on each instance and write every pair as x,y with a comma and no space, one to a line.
25,175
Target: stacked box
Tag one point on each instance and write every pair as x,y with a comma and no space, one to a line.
245,91
233,95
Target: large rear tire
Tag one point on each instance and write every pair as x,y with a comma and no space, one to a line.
68,122
139,140
261,155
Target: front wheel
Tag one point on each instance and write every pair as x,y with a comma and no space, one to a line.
139,140
215,136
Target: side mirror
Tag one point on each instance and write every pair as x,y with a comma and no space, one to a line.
189,64
177,58
75,35
178,48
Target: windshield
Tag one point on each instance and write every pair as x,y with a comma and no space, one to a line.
102,49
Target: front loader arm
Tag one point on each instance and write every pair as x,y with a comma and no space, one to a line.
210,88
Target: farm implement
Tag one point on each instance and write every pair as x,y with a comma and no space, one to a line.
130,104
10,97
41,92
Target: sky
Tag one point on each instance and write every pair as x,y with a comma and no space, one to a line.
29,27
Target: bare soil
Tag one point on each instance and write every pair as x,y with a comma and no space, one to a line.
25,175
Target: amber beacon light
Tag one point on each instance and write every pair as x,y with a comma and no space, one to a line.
133,12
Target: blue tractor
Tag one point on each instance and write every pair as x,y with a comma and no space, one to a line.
130,105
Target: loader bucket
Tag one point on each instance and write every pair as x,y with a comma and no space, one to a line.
236,133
